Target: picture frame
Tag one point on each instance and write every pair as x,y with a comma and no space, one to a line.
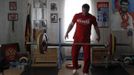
12,5
54,17
53,6
12,16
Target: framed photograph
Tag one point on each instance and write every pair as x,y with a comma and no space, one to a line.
12,5
12,16
54,17
53,6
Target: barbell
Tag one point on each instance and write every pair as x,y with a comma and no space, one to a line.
42,43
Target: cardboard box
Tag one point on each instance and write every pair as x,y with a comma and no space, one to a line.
99,55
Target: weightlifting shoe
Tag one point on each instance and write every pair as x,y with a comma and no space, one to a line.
74,71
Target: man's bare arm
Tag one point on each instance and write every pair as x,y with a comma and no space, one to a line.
98,32
69,29
97,29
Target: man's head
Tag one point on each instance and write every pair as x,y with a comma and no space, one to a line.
124,5
85,8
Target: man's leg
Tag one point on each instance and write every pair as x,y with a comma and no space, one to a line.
75,53
86,51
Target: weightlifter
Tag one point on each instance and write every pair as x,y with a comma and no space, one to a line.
83,21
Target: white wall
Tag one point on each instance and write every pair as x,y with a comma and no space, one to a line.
4,24
6,33
7,36
53,28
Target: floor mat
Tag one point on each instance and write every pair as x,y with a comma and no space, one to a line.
41,71
111,70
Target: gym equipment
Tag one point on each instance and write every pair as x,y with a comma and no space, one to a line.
42,55
42,42
104,55
48,59
127,58
70,44
113,46
59,44
23,59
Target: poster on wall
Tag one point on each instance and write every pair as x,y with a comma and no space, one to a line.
123,10
103,14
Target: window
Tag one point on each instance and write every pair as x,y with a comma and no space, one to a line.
72,7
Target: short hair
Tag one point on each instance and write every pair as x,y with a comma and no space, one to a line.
126,1
86,6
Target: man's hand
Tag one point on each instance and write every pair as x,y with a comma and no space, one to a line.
69,29
98,38
66,36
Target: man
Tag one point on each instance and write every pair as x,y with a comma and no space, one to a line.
84,21
127,14
121,19
124,13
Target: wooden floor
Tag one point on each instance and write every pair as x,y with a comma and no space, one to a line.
65,71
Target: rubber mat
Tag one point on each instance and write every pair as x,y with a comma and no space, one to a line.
41,71
112,70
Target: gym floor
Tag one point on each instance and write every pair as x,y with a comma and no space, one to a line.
130,69
125,70
65,71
